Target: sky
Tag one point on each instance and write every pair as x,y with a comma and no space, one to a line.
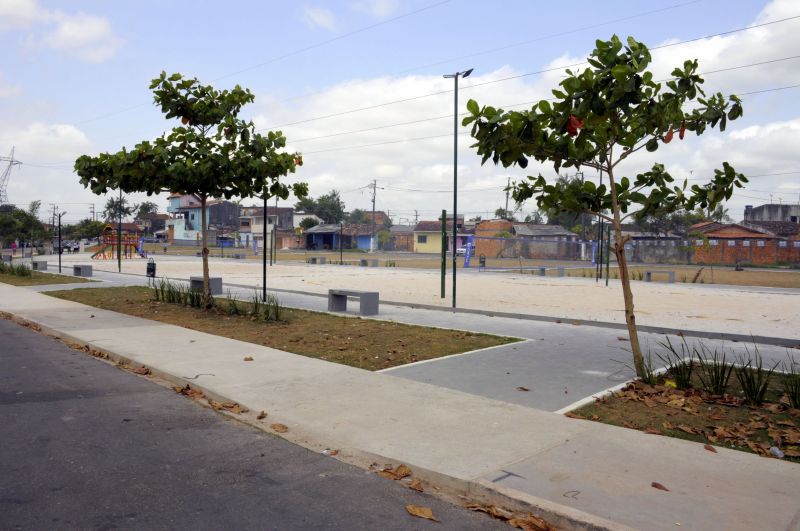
357,87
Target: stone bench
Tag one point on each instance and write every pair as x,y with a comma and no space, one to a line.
648,275
39,265
368,300
239,256
318,260
371,262
82,270
543,270
214,284
7,258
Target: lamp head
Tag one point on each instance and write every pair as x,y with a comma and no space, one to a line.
467,73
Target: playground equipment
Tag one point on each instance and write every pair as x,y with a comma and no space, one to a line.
110,244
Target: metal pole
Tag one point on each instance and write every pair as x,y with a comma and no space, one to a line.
275,233
264,253
341,230
119,235
59,243
444,248
455,184
608,251
372,239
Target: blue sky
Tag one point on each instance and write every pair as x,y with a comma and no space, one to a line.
76,74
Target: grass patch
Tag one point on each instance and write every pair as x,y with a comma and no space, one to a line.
697,415
39,279
363,343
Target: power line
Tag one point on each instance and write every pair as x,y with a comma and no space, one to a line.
527,74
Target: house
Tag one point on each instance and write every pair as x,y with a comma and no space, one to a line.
251,226
428,236
331,236
501,238
772,212
731,243
152,222
402,238
222,217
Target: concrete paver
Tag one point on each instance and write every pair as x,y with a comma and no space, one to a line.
472,440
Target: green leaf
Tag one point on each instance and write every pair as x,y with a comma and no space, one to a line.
472,106
651,145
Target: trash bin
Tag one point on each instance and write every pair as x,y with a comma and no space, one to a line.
151,268
482,262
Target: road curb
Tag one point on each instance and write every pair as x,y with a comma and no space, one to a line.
455,490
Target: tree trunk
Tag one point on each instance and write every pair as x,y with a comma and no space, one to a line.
619,251
204,232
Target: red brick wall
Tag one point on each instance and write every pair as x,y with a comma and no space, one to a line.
770,253
491,248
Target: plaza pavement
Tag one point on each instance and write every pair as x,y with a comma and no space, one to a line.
572,471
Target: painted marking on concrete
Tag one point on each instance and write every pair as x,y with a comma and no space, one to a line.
478,351
506,474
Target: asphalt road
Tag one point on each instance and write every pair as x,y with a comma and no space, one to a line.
85,445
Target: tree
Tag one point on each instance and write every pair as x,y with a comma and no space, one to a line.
602,116
359,216
718,214
664,223
211,154
144,208
18,224
307,223
534,217
502,213
383,236
329,207
117,208
86,228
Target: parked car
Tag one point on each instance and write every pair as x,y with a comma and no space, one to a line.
462,251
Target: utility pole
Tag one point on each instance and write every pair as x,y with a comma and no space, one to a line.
119,235
372,240
507,187
416,217
60,250
91,209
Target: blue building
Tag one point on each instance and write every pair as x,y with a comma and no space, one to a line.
351,236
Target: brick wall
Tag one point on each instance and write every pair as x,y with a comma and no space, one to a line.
767,252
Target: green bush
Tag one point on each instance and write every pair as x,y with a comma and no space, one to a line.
715,371
791,380
753,378
677,363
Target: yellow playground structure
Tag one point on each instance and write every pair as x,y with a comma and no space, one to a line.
110,244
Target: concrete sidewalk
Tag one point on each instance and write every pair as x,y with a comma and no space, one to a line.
572,471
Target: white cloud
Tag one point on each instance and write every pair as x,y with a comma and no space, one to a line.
376,8
88,37
319,17
8,90
754,145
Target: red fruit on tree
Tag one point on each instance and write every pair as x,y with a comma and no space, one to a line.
184,120
573,124
682,130
668,138
298,161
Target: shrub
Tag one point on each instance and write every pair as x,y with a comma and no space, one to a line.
715,371
752,377
677,363
791,380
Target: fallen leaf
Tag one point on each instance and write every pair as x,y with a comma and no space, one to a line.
520,388
710,448
234,407
648,402
144,371
400,472
280,428
421,512
687,429
530,523
572,415
248,358
620,338
791,451
652,431
262,415
416,485
786,422
659,486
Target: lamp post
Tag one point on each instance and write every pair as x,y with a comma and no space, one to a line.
119,235
264,252
455,77
341,230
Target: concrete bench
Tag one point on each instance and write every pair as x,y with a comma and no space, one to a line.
7,258
371,262
648,275
214,284
543,270
82,270
318,260
39,265
238,256
368,300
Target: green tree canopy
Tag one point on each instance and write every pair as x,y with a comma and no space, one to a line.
117,208
18,224
329,207
307,223
600,117
212,153
144,208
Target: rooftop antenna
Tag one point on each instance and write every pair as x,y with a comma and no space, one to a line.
6,174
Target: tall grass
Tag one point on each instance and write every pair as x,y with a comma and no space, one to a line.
176,293
791,380
679,364
19,270
715,371
753,378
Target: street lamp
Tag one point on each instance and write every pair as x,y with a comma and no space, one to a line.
60,246
455,77
264,252
341,230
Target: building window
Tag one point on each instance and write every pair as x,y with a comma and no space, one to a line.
796,244
760,243
422,238
731,243
698,242
781,244
713,242
746,243
191,217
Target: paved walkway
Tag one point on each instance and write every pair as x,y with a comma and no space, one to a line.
571,470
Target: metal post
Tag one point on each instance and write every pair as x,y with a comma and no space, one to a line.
60,249
341,230
119,235
455,185
275,233
372,238
608,251
444,248
264,253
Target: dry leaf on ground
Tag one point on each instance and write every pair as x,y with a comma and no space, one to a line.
710,448
416,485
234,407
144,371
248,358
262,415
659,486
421,512
400,472
280,428
520,388
530,523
